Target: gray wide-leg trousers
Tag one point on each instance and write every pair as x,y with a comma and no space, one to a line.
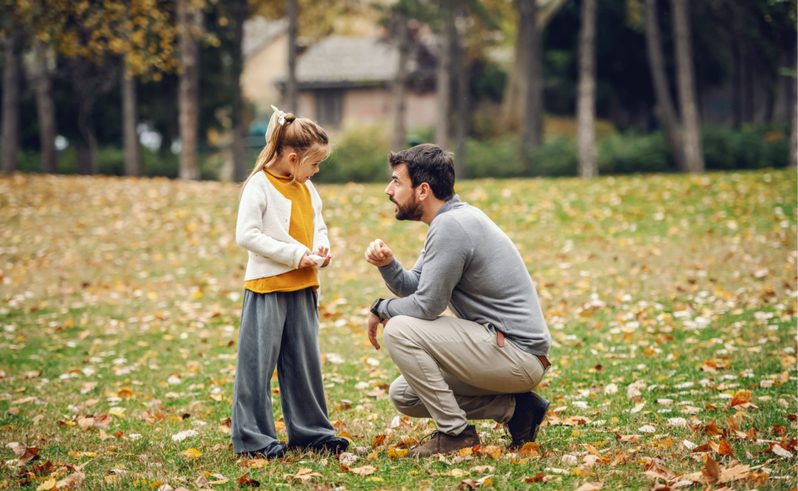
279,330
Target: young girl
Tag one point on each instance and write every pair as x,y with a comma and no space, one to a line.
279,224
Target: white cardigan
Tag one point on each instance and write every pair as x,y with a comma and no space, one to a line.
264,217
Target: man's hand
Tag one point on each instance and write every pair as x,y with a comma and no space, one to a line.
373,323
379,254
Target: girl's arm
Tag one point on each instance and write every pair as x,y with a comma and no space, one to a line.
250,236
320,238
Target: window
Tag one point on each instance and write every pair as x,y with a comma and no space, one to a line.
329,107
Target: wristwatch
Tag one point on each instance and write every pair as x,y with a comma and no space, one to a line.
375,307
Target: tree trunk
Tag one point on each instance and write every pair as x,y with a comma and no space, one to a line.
240,170
129,123
511,109
399,89
189,20
444,77
531,83
87,146
11,99
794,128
291,89
45,109
460,104
694,155
665,108
587,91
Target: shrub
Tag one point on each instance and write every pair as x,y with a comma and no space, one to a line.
625,153
360,154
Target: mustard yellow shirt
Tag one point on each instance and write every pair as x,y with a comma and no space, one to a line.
301,229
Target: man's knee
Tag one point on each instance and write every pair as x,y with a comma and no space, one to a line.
395,329
404,399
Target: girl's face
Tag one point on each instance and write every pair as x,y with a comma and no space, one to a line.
310,163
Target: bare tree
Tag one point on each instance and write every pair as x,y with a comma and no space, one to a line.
444,75
240,170
399,85
693,154
45,108
11,96
189,21
794,134
587,91
460,101
291,82
130,118
531,81
665,108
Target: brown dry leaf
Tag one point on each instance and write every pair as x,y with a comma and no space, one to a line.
493,451
725,448
741,397
590,486
304,474
536,478
377,440
530,449
364,470
244,480
478,483
711,470
72,481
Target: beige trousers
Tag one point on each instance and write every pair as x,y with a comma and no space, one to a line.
453,370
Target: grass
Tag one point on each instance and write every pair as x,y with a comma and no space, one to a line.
671,300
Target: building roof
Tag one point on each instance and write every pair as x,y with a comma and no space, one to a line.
259,32
339,59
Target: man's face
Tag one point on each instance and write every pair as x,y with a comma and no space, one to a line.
401,192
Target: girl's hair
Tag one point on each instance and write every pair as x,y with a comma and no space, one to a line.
286,130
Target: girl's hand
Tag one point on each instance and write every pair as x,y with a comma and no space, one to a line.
325,253
306,261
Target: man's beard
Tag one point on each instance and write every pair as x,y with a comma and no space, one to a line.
411,211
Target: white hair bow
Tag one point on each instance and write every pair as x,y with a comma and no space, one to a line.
278,117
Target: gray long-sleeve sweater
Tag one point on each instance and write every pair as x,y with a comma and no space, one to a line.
469,264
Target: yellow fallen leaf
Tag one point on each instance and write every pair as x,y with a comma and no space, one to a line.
394,452
117,411
192,454
46,485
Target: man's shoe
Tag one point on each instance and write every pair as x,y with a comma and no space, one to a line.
530,409
273,451
443,443
335,445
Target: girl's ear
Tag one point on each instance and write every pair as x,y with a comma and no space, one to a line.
293,158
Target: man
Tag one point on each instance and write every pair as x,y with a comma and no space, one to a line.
482,364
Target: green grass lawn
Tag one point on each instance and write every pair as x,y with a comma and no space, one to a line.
671,301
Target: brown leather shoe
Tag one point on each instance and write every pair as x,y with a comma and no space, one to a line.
443,443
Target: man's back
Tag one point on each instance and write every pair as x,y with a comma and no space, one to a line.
494,286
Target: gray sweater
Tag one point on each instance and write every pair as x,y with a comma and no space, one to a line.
469,264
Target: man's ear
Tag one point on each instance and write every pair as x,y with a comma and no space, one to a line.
424,191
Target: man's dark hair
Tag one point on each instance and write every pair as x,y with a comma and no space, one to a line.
428,163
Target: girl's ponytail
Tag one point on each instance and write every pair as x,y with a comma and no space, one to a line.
285,129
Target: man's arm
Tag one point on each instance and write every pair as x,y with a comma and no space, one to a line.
446,251
401,282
